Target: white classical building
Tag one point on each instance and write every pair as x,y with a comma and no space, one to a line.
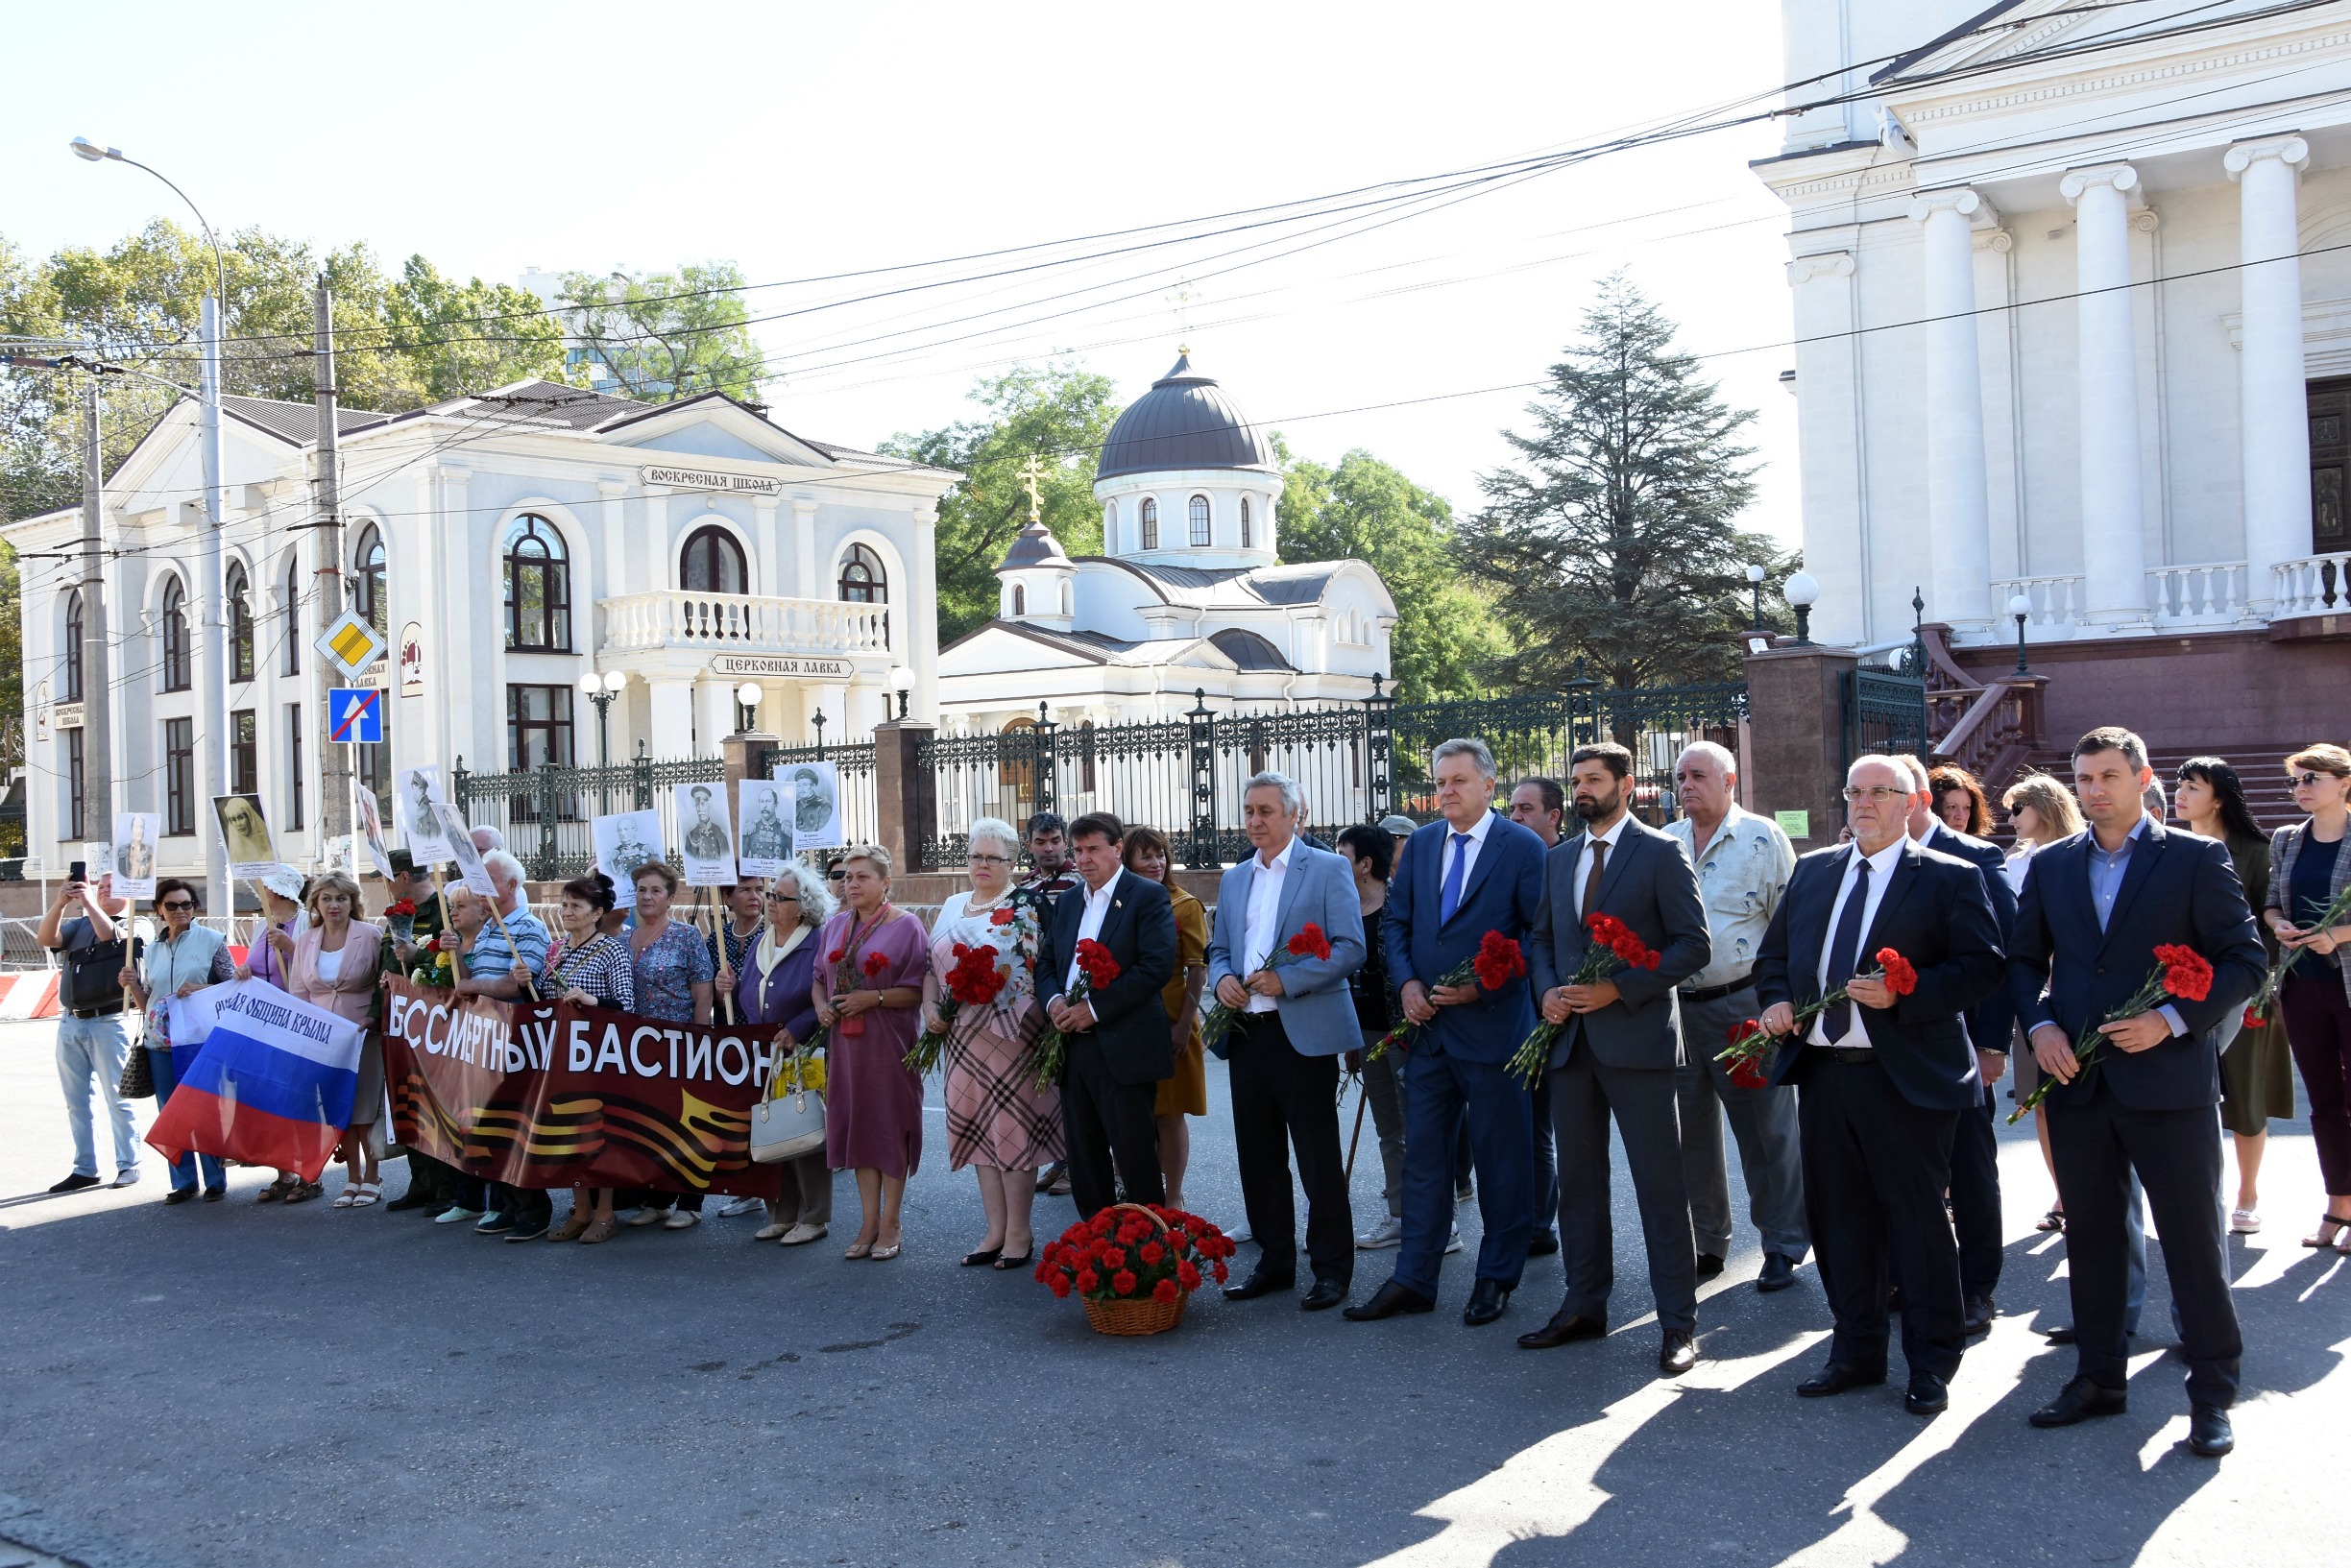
1188,596
2073,313
504,544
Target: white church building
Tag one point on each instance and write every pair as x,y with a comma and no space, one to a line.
504,545
1188,596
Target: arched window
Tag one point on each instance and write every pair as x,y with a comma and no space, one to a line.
368,580
713,563
289,657
1199,522
176,661
1150,523
1244,523
1110,528
862,580
1065,599
1020,600
73,646
538,588
241,623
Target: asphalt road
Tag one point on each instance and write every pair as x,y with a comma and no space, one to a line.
226,1384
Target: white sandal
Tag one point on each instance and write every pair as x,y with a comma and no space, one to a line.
347,1198
2243,1223
368,1192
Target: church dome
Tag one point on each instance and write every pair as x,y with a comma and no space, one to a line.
1034,547
1185,422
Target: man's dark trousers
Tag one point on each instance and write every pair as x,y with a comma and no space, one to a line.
1976,1198
1281,1099
1110,1132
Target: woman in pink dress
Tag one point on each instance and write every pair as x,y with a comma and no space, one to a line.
870,962
997,1119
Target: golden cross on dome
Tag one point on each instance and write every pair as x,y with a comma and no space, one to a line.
1032,472
1182,299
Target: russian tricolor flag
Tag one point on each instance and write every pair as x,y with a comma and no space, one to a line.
271,1083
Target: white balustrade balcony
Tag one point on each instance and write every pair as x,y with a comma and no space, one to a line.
742,623
2316,585
2210,597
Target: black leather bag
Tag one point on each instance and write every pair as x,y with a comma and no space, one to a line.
92,975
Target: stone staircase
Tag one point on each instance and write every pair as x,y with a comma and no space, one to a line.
2261,767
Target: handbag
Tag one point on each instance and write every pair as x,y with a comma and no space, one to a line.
138,1077
92,975
787,1123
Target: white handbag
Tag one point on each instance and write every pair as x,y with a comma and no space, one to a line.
786,1124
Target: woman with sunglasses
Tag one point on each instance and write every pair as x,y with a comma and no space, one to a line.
185,959
776,986
2309,869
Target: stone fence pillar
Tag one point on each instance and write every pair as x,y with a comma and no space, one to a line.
906,794
1796,737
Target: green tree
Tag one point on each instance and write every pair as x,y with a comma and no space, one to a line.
670,335
1446,634
1613,540
466,337
1057,413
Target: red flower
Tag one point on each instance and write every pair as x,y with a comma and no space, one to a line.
1188,1276
1310,943
1901,977
1095,962
1099,1225
1152,1252
1115,1257
2187,974
1164,1291
836,956
1748,1073
1060,1286
875,964
1220,1273
1088,1281
1499,960
2254,1020
1123,1282
975,980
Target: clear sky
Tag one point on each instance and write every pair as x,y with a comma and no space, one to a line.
799,139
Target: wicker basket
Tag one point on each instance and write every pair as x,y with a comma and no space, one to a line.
1140,1315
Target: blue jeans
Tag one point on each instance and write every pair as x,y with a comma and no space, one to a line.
184,1169
86,1048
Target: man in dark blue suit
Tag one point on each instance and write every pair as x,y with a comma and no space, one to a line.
1884,1076
2093,910
1470,872
1974,1173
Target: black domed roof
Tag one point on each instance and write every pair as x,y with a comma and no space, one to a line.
1185,420
1036,547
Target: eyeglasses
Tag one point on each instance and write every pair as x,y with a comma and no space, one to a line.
979,859
1874,792
835,875
783,897
2304,781
177,906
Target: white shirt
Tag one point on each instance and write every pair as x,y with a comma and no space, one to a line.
1259,922
1090,923
1469,854
1611,838
330,966
1882,874
1741,877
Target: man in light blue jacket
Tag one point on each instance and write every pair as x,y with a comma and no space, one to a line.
1296,1019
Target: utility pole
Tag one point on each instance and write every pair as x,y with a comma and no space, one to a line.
334,757
97,694
212,647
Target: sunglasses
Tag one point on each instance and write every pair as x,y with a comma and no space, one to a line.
783,897
2305,781
175,907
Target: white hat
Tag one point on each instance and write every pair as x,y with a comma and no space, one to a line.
285,882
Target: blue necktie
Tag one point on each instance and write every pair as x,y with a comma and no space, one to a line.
1450,899
1844,952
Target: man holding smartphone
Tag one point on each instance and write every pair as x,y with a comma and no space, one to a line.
93,1034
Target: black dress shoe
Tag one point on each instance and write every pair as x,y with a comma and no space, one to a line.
2209,1435
1389,1300
1709,1266
1325,1294
1543,1245
1679,1353
214,1195
1978,1314
2078,1401
1487,1299
1926,1395
1260,1283
180,1195
1564,1327
76,1181
411,1199
1835,1378
2062,1334
1779,1274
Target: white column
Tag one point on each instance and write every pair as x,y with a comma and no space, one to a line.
612,559
804,550
918,621
671,709
713,713
768,579
2275,407
1832,434
652,569
2114,545
1958,513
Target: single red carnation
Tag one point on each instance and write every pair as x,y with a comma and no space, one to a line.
1164,1291
1099,1225
1152,1252
1123,1283
1188,1276
2186,974
1088,1281
1115,1257
1310,943
1220,1273
1900,977
1060,1286
875,964
2254,1020
836,957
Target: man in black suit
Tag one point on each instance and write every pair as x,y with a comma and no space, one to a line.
1974,1173
1118,1042
1884,1076
2093,910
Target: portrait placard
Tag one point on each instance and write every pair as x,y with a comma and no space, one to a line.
417,801
624,841
246,835
462,852
134,853
767,819
704,834
813,789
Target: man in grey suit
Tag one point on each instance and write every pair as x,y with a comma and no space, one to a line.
1619,1053
1295,1021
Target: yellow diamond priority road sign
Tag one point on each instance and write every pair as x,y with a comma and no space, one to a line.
351,643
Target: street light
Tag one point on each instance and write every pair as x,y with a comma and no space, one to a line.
1803,592
601,690
746,706
1755,587
902,681
215,661
2020,606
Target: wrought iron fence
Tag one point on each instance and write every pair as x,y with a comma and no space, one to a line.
1885,706
545,812
860,816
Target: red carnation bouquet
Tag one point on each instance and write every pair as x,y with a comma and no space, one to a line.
2257,1011
1748,1057
845,972
1497,961
1218,1021
2180,971
1096,969
1123,1255
1614,946
974,980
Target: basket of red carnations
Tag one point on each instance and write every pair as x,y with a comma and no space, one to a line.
1134,1267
